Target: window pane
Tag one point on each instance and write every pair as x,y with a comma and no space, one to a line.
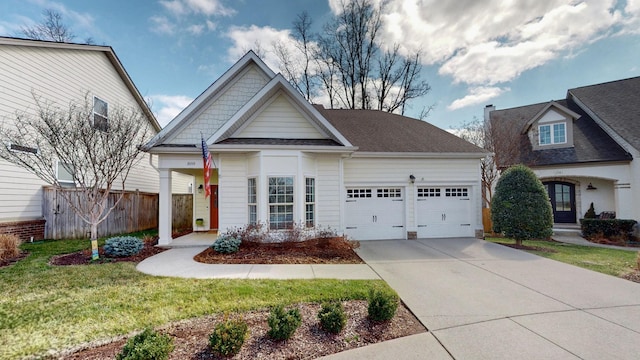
559,133
280,202
545,134
64,175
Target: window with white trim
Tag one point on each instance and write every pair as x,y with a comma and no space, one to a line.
428,192
310,202
100,114
552,134
63,174
456,192
280,202
358,193
390,193
252,199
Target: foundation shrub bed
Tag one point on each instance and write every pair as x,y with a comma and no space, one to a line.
332,317
123,246
226,244
228,337
617,229
9,246
382,305
282,324
148,345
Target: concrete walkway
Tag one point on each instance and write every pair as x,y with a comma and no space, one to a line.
178,262
579,240
486,301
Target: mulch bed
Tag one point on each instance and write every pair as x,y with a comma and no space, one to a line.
316,251
7,262
191,337
84,257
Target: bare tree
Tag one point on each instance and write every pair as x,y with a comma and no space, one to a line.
481,133
300,71
349,65
97,154
52,28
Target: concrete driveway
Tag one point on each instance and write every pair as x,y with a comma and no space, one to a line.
486,301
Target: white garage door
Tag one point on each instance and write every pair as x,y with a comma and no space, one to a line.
444,212
375,213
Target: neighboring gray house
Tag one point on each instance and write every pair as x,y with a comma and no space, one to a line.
61,73
582,147
280,160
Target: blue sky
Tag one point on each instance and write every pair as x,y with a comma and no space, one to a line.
506,53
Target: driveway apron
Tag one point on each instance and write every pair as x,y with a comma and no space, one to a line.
486,301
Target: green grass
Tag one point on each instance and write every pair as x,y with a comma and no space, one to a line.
48,308
607,261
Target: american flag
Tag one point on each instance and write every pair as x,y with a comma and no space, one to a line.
206,158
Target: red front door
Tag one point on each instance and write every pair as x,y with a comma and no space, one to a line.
213,205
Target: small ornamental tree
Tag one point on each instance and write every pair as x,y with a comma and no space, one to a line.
520,208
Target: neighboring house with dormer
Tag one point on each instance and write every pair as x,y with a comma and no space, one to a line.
279,160
582,148
61,74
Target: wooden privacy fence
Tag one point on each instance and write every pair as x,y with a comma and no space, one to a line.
135,212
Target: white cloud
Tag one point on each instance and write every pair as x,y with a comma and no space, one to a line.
259,39
485,43
196,29
162,25
167,107
477,95
204,7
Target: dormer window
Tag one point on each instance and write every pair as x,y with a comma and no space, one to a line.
552,134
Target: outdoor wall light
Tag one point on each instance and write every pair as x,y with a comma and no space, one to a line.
200,189
591,187
412,179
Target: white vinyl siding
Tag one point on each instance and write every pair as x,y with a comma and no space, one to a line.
280,120
59,77
232,197
328,189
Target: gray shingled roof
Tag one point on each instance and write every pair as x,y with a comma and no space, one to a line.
379,131
616,103
591,142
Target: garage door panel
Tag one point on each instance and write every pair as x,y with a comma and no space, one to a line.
375,213
443,212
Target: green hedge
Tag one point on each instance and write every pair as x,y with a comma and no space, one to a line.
608,227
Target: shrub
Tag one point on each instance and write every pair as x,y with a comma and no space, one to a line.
520,207
609,228
226,245
123,246
9,246
591,213
332,317
148,345
227,337
382,305
283,324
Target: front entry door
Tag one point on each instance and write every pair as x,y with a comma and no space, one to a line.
563,201
213,206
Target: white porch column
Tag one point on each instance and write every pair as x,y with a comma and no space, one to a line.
164,208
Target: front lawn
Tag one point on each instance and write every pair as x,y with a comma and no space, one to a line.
607,261
44,307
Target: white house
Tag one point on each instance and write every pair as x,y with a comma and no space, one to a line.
582,148
61,73
280,160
